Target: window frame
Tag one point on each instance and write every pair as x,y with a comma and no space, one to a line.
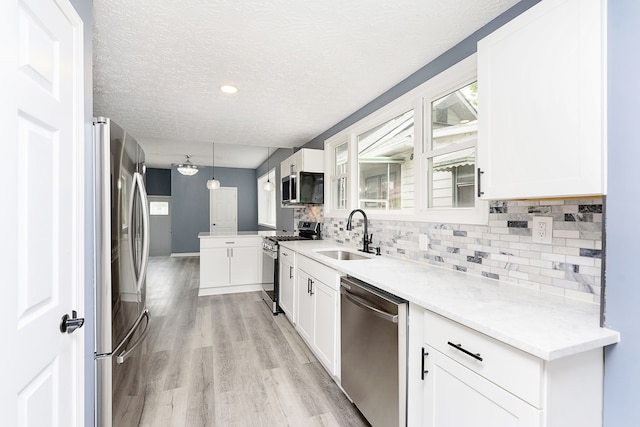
418,99
262,221
329,159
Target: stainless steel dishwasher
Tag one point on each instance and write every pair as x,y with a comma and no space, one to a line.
373,328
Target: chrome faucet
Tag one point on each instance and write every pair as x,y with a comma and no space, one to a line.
366,239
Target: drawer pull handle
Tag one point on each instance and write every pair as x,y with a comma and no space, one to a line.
465,351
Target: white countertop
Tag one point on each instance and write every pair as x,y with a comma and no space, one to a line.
206,234
546,325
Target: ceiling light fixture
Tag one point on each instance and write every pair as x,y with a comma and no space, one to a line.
213,183
268,186
187,168
229,89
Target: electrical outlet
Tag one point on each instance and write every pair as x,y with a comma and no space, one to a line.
542,229
424,242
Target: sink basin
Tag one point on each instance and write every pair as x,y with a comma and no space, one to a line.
342,255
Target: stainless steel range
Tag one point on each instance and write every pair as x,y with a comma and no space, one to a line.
270,288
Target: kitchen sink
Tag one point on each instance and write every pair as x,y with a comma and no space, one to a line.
343,255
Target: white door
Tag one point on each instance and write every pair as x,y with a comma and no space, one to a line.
223,203
41,123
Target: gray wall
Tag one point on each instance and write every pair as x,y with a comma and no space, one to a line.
622,370
190,203
284,216
84,10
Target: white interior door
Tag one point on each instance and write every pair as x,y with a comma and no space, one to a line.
41,123
224,210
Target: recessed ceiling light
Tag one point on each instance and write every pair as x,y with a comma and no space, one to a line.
228,89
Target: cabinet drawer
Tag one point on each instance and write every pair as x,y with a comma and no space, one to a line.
318,271
516,371
287,254
230,242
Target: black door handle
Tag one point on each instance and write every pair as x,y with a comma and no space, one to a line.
70,324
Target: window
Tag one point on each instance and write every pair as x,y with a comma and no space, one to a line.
267,201
339,176
450,150
385,165
415,158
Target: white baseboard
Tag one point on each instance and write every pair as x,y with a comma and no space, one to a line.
184,254
232,289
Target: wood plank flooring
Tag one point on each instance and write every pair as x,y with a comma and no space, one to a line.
227,361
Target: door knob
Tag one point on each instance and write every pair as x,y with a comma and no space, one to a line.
70,324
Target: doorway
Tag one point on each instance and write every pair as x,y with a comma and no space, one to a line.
159,225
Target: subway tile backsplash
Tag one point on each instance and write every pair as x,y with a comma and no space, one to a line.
503,249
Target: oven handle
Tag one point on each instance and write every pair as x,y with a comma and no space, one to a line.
363,304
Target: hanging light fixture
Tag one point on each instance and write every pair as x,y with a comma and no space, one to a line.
268,186
213,183
187,168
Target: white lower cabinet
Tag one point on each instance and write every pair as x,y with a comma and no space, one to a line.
457,396
230,265
286,276
317,288
468,378
305,306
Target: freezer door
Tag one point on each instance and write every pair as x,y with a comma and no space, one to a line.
120,393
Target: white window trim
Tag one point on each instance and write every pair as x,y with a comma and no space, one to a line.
329,150
460,74
271,175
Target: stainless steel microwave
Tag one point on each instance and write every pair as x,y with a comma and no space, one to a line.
306,188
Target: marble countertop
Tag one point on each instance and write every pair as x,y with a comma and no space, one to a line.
206,234
546,325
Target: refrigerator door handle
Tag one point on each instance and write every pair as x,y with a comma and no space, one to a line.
122,356
137,185
145,230
144,315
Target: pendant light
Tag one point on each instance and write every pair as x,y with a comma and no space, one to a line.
213,183
268,186
187,168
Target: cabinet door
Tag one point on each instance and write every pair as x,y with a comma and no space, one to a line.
287,287
457,396
244,265
542,105
304,307
325,332
214,267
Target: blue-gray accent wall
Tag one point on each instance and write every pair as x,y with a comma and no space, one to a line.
622,370
190,203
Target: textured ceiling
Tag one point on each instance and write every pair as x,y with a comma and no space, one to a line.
300,66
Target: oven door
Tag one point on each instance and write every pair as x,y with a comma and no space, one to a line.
269,279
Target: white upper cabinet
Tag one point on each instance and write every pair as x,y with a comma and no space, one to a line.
542,103
303,160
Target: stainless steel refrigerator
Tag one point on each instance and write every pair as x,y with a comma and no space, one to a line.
122,318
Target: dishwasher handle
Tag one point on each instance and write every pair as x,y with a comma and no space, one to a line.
364,305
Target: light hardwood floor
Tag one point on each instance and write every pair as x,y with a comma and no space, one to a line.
227,361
